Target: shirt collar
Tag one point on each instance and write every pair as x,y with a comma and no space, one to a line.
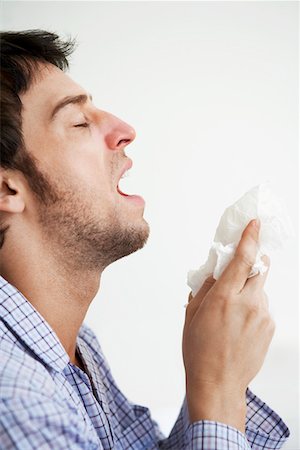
31,328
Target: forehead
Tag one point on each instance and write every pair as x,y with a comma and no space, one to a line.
49,86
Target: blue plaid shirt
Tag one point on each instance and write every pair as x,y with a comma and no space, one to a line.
46,402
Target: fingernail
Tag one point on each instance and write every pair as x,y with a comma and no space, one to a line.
256,224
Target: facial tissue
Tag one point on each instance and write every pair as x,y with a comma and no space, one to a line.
275,229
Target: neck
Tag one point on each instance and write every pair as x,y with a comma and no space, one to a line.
60,295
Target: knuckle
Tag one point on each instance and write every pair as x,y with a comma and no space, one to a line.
267,322
246,259
257,311
253,311
223,296
252,301
265,318
272,325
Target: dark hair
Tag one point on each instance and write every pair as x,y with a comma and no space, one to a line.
21,53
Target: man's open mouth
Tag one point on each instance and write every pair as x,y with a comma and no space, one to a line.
124,174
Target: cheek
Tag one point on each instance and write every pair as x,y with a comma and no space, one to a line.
88,172
90,162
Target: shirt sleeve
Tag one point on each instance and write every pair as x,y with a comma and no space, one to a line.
34,422
264,430
203,435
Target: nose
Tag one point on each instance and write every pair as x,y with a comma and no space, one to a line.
118,134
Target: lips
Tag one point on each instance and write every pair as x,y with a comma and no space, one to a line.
122,193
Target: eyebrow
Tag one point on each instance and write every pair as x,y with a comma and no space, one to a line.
75,100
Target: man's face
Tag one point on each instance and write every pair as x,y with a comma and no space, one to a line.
80,151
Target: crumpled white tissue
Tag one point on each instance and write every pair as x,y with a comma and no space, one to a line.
275,230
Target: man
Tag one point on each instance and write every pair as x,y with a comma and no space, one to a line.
63,221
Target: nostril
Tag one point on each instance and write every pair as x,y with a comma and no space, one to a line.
124,142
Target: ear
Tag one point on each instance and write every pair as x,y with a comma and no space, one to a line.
11,199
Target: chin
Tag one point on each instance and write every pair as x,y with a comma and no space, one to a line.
134,238
122,241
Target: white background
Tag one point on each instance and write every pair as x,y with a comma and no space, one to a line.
212,91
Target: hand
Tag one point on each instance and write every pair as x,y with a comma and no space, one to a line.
226,335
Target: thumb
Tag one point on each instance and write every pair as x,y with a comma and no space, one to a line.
236,273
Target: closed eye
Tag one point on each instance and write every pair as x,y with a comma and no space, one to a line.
84,125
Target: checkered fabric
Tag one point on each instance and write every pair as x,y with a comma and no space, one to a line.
46,402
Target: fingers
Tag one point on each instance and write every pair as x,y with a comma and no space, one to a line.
194,302
236,273
208,283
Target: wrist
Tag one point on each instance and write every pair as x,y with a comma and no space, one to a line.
218,405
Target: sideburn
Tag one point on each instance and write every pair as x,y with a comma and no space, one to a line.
37,181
